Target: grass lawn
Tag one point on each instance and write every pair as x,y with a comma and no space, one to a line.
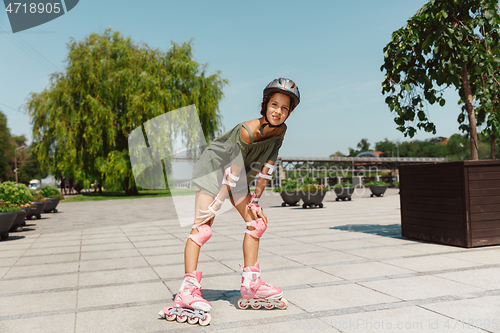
114,195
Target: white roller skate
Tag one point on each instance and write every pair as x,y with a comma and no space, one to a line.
256,293
188,304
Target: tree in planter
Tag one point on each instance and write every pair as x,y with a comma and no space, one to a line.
110,87
441,46
6,148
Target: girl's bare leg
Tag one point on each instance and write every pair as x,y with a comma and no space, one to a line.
192,250
250,244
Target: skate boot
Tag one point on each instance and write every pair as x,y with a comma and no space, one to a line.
256,293
188,304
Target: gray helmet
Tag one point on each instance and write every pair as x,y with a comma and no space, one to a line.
284,86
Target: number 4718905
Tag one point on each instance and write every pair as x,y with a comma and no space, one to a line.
34,8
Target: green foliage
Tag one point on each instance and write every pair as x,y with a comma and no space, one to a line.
6,147
313,188
110,87
7,207
447,43
287,185
396,183
48,191
17,194
376,183
343,185
37,197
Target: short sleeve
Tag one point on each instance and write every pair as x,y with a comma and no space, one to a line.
274,153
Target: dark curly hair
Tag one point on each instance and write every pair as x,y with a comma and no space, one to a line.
266,99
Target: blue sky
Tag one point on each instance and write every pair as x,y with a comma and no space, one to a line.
331,49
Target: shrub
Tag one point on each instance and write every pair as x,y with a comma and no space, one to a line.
7,207
49,191
38,197
376,183
287,185
395,183
343,185
17,194
313,188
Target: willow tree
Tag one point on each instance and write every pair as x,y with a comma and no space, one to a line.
445,44
109,87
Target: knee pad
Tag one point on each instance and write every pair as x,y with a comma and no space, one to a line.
259,226
203,235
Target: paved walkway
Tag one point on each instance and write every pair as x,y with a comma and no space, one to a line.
111,266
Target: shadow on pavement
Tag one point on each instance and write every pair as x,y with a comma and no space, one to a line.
387,230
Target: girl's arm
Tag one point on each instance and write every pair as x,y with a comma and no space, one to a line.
230,177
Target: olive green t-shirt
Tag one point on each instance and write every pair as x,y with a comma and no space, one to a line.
230,148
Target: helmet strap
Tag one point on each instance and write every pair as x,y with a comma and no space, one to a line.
261,130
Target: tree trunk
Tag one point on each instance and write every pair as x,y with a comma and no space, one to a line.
133,190
474,150
493,145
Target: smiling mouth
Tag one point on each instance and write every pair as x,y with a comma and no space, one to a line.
276,118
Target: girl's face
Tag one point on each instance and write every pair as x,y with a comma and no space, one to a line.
278,108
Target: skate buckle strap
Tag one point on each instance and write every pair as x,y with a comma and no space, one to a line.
248,277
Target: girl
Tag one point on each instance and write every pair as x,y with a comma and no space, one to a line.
248,150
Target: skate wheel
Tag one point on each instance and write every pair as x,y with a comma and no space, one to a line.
242,305
181,319
283,305
269,306
206,321
256,306
192,321
170,317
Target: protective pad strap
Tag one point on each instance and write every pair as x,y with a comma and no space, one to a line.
261,175
271,168
228,174
259,226
203,235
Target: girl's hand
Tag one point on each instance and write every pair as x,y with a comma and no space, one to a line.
206,215
263,216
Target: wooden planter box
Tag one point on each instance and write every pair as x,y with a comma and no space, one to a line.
455,203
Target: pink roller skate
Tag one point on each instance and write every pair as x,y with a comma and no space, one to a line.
256,293
188,304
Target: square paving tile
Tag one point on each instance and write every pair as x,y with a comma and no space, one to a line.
404,319
486,257
47,259
116,276
419,287
383,252
131,319
324,258
430,263
111,254
100,264
483,312
336,297
38,283
34,303
35,270
52,250
41,324
227,311
363,270
138,292
488,278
